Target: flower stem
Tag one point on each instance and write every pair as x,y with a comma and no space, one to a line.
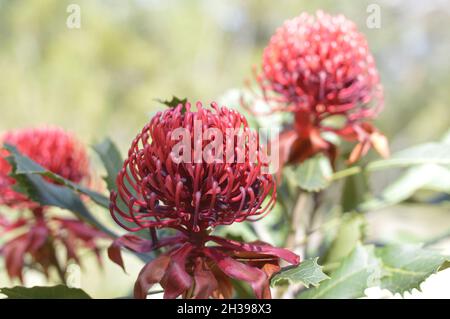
346,172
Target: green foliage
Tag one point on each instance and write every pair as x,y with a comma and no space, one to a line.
29,177
312,175
237,231
351,231
428,153
423,177
357,271
398,268
111,159
405,267
174,102
354,192
309,272
24,166
55,292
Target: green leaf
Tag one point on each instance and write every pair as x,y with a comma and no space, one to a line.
429,153
426,177
354,192
112,160
358,271
174,102
351,231
29,177
55,292
309,272
313,174
237,231
405,267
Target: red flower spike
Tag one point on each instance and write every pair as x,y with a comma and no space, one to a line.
318,67
61,153
155,191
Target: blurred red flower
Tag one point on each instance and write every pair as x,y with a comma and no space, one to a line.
34,232
52,148
320,67
157,191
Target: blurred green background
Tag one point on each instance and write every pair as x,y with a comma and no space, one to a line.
103,78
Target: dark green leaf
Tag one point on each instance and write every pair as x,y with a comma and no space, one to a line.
26,166
110,156
55,292
30,181
174,102
354,192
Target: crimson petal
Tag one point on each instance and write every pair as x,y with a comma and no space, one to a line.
151,274
177,281
259,247
132,242
240,271
205,281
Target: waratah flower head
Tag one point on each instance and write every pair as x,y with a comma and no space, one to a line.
321,64
52,148
192,193
174,178
34,233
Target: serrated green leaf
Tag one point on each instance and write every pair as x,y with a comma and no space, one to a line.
309,272
313,174
405,267
55,292
358,271
111,159
429,153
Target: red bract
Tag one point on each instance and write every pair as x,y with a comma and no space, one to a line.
319,67
192,269
60,153
37,238
157,191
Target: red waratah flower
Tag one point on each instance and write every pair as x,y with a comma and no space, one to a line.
52,148
319,67
61,153
157,190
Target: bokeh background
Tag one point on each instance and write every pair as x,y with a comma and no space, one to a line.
103,79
